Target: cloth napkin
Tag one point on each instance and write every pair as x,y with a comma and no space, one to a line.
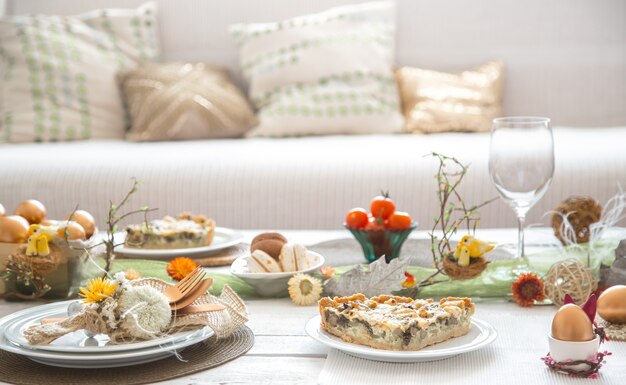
513,359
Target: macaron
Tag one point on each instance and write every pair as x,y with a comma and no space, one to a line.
270,243
294,257
261,262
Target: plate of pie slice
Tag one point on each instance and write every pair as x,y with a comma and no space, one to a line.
400,329
223,238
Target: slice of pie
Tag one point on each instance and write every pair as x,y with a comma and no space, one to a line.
171,233
395,323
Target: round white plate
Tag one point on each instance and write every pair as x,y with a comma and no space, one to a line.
271,284
77,342
480,335
99,360
223,238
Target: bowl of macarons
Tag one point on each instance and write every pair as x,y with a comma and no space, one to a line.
272,261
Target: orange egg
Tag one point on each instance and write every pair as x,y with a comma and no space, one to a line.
74,229
13,229
84,219
33,210
570,323
612,304
2,210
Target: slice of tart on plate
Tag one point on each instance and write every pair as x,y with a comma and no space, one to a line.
184,231
395,323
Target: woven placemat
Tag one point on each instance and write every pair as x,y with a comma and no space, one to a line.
17,369
223,257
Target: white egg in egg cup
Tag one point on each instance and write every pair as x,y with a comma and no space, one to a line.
563,351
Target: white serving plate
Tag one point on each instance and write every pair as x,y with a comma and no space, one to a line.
480,335
222,239
271,284
106,359
78,342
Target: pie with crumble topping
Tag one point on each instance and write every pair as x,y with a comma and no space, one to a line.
395,323
185,231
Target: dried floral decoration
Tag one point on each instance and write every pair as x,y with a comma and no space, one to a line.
327,272
527,289
131,274
180,267
409,280
594,364
304,290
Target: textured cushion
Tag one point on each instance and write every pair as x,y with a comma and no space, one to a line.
326,73
181,101
58,72
438,101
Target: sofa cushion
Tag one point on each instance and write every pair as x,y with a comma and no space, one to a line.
58,72
324,73
296,183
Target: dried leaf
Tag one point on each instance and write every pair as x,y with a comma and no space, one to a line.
379,278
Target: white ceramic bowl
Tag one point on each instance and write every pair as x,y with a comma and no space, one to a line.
572,350
271,284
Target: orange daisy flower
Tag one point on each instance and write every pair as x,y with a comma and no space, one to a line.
180,267
327,271
527,289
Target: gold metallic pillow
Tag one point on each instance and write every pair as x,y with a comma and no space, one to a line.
181,101
438,101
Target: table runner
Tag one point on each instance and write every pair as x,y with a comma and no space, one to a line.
513,359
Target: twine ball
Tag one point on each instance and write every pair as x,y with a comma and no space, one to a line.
572,277
581,211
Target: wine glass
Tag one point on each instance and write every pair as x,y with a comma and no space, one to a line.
521,164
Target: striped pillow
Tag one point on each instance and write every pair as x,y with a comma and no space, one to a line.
58,73
326,73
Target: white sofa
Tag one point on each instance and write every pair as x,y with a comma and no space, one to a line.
564,59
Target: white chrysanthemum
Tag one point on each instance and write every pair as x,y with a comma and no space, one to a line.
148,305
304,289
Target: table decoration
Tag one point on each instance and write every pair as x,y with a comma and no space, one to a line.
304,290
49,258
575,340
612,312
382,231
617,270
179,268
569,277
528,289
573,217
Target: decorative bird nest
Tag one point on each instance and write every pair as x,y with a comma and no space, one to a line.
572,277
580,212
456,272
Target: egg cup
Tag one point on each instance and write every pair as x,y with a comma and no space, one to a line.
376,243
576,358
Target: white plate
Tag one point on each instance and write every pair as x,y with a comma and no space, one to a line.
271,284
77,342
480,335
223,238
99,360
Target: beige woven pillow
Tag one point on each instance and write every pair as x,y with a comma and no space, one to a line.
182,101
438,101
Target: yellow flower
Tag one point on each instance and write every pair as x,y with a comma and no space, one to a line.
97,290
180,267
304,289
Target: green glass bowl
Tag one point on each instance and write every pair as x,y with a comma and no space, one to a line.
376,243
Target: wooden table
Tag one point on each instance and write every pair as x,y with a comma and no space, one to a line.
283,354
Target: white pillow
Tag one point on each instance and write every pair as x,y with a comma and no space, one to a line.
58,73
326,73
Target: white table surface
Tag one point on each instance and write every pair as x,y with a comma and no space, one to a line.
283,354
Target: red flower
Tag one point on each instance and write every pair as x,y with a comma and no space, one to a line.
409,280
527,289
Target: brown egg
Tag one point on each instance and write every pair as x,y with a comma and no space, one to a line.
612,304
13,229
33,210
271,243
86,220
2,210
75,230
570,323
49,222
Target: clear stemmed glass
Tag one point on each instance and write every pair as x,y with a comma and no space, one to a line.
521,164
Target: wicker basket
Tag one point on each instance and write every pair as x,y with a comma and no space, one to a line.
454,271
